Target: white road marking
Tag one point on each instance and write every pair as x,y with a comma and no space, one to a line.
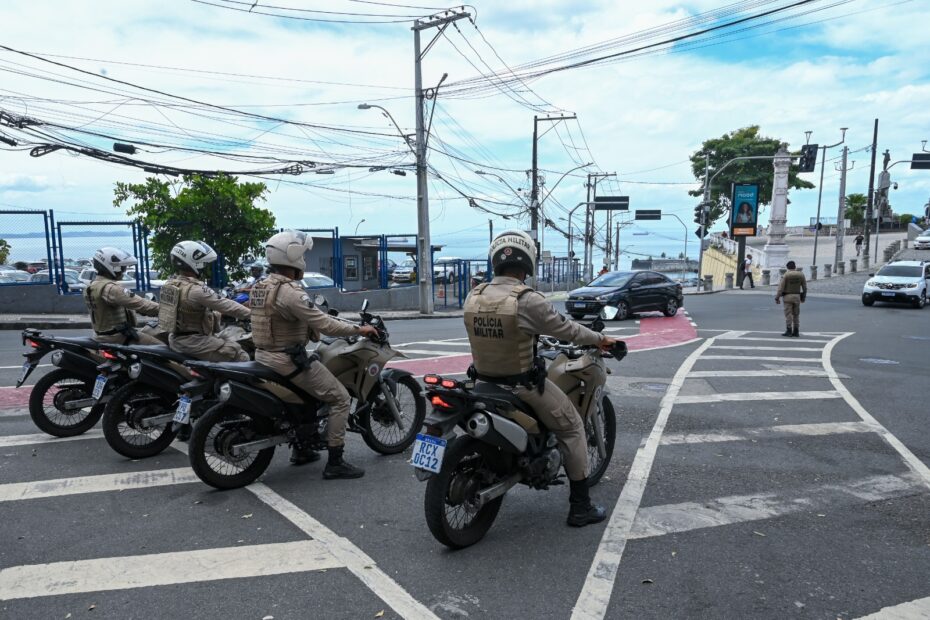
20,366
432,353
769,432
773,372
595,595
752,348
160,569
452,342
751,396
782,339
95,484
348,555
761,357
913,610
41,438
673,518
916,465
14,413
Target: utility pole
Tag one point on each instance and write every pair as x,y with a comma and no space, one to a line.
589,227
424,243
884,183
868,209
841,210
490,231
534,194
703,225
823,163
617,248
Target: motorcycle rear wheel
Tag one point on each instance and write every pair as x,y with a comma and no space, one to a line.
55,389
121,416
597,465
465,458
381,433
215,431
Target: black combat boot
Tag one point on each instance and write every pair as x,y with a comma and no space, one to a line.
581,511
302,456
184,434
794,332
787,331
338,467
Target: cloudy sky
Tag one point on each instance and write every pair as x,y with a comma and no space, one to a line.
840,66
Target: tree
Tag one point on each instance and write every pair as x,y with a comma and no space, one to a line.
4,250
855,209
906,218
662,255
740,143
219,210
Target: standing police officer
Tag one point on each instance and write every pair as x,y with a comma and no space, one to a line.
505,355
113,308
284,319
187,305
793,289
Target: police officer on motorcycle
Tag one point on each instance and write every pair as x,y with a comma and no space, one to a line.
284,319
112,308
503,319
187,308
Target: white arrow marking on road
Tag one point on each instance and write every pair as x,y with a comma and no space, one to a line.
160,569
769,432
42,438
95,484
749,396
913,610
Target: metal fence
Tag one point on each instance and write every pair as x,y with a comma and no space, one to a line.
78,240
28,239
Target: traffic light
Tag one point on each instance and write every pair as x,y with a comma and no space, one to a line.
808,158
701,212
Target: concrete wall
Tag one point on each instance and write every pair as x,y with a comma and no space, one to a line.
38,299
397,298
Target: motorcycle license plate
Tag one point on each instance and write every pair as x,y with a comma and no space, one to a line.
183,413
99,385
27,367
428,452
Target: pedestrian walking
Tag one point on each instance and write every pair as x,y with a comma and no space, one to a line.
793,290
859,240
747,273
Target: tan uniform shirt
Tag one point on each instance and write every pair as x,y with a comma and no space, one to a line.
538,316
203,295
119,296
792,287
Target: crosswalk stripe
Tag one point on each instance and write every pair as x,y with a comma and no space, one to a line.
912,610
674,518
41,438
754,348
160,569
96,484
773,372
760,358
768,432
782,339
749,396
431,352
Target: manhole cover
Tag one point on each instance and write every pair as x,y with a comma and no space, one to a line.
654,387
877,360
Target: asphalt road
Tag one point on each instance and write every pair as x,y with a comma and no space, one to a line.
754,476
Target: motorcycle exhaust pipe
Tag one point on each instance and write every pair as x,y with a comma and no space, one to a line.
478,425
497,431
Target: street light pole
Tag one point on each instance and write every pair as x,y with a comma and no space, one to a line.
686,237
534,194
362,221
823,163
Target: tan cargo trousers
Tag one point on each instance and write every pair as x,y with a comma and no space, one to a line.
556,411
792,303
208,348
319,382
144,337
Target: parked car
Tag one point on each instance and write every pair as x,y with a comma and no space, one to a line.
87,276
15,275
445,269
390,265
922,242
629,291
904,281
317,280
71,279
406,271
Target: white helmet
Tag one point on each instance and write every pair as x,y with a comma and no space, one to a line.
112,262
513,248
192,255
286,249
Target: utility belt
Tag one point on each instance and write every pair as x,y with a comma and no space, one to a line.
301,359
534,378
126,330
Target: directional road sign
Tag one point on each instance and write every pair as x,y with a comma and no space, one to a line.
611,203
920,161
648,214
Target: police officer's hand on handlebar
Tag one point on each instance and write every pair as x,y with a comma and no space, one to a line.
606,344
368,330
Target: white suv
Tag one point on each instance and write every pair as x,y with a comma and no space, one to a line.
922,242
902,281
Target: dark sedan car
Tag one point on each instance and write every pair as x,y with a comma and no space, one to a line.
629,291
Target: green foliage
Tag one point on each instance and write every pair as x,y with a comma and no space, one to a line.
855,209
905,218
219,210
740,143
4,250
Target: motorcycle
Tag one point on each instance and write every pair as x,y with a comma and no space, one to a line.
233,442
503,443
139,419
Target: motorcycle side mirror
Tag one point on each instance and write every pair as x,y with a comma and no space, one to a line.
597,325
365,305
608,313
619,350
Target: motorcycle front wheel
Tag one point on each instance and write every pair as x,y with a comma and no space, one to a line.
380,430
452,511
48,404
214,435
602,421
124,419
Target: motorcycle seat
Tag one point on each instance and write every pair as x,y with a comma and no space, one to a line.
78,341
496,392
254,369
158,350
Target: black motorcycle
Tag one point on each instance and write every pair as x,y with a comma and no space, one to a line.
69,400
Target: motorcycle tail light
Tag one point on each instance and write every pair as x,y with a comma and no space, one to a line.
109,355
449,384
439,402
32,343
432,379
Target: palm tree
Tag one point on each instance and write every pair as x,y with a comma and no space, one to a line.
855,209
